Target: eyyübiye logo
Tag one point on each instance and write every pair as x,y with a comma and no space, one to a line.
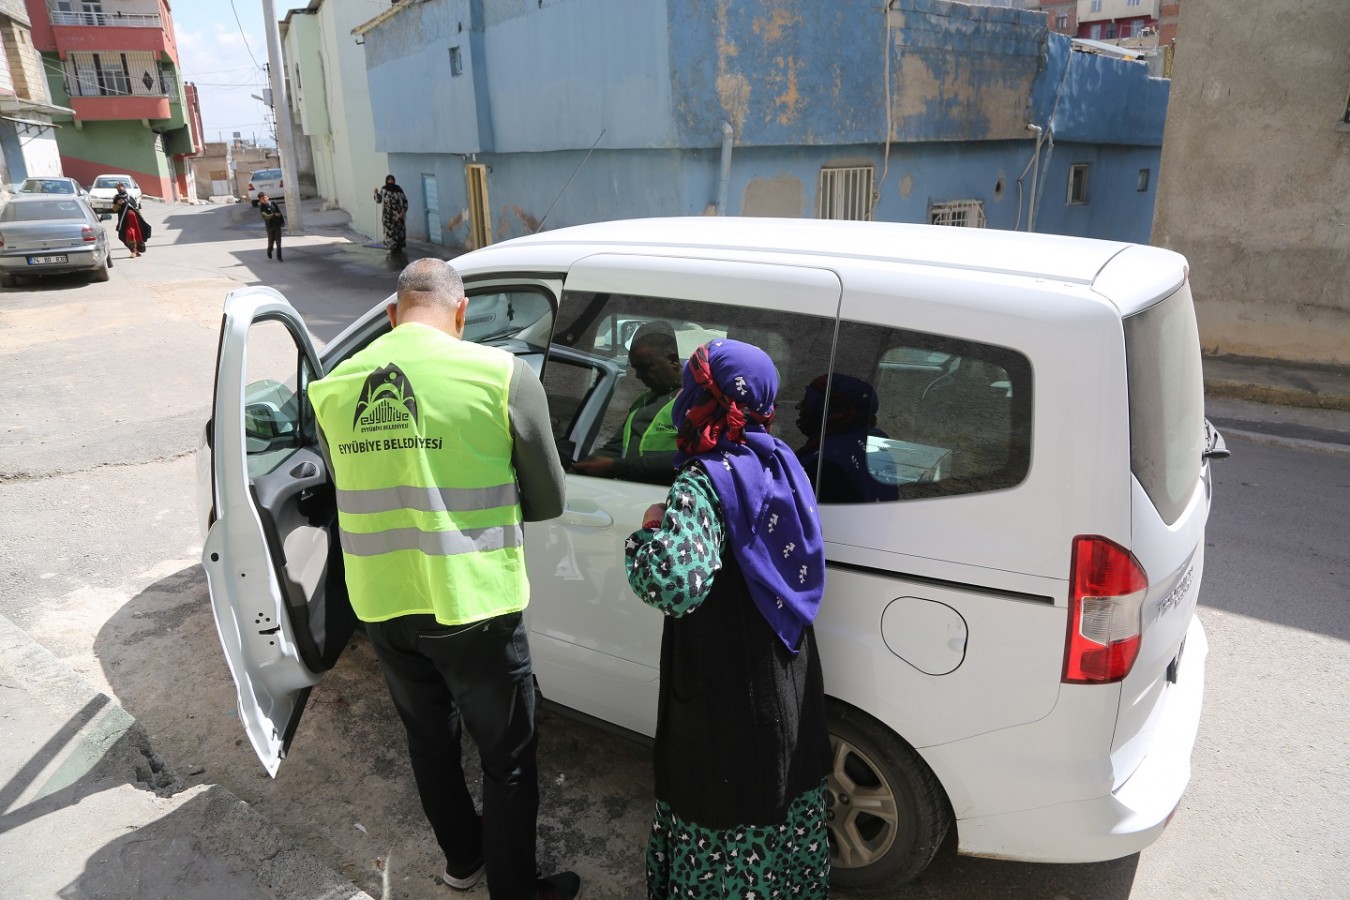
386,401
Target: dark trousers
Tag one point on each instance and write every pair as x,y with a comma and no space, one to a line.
481,674
274,239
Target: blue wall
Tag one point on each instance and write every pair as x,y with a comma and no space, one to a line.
803,84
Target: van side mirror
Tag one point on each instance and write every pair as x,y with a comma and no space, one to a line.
103,217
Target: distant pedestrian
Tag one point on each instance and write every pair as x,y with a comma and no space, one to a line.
274,220
394,217
132,229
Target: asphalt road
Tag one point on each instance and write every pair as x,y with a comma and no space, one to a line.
107,387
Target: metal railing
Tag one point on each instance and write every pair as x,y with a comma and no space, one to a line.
116,19
131,74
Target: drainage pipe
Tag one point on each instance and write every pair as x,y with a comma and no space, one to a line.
724,185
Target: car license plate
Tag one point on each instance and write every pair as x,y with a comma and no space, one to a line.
44,260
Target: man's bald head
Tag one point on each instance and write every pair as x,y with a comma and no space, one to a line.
430,291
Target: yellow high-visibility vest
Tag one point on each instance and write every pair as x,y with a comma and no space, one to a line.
660,434
428,507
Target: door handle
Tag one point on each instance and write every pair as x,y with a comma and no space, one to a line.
589,518
305,469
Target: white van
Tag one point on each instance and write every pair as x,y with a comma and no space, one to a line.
1008,633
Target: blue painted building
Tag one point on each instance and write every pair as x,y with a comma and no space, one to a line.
930,111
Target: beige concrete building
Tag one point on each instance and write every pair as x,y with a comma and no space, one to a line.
1255,180
330,102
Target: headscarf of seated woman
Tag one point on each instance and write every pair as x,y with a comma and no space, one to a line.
723,414
391,185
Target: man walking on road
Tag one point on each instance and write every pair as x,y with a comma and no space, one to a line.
439,450
274,221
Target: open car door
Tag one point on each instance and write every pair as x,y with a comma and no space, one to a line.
272,560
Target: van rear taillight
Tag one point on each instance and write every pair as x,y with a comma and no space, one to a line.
1107,587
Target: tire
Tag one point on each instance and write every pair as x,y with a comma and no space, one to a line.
8,280
101,273
886,810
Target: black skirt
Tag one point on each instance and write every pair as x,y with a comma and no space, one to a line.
741,727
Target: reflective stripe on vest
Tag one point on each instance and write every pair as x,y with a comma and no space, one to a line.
659,436
429,514
407,496
432,543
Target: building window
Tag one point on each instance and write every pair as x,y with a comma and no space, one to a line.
845,193
1132,2
1078,184
111,75
1062,21
1096,5
1142,184
456,64
1095,31
1110,30
961,213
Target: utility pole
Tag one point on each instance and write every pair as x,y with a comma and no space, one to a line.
290,173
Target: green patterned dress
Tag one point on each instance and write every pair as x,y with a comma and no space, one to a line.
673,568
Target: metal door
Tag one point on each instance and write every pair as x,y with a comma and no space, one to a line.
432,205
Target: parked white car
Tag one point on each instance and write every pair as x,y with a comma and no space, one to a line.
104,188
51,184
265,181
1008,633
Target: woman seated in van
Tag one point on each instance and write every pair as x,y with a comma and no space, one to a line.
644,449
735,560
839,446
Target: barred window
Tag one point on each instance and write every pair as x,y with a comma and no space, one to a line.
961,213
845,193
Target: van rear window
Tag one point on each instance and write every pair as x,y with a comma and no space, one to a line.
1167,401
910,414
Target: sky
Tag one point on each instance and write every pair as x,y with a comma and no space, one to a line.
224,58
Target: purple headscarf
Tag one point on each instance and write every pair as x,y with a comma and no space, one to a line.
722,416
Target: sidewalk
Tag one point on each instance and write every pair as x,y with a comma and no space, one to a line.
1299,406
88,810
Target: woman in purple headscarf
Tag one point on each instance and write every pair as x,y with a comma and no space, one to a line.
734,559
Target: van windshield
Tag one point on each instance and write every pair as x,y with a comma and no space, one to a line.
1167,401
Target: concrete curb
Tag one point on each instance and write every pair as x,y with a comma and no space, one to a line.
89,809
1276,395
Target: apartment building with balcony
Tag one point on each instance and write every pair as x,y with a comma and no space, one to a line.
1112,20
115,64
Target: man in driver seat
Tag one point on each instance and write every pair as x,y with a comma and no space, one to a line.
644,450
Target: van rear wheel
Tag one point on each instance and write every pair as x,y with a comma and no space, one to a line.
886,811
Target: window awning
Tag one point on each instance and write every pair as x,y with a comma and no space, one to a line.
19,121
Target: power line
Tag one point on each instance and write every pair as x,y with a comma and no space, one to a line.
242,35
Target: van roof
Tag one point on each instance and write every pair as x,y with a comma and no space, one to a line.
1058,257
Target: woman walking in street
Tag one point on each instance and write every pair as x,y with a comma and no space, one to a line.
394,215
132,229
735,560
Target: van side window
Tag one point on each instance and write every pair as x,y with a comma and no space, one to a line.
910,415
604,328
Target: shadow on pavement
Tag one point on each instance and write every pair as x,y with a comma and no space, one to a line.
1293,570
348,768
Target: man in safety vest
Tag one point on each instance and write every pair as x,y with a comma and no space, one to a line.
644,449
440,449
